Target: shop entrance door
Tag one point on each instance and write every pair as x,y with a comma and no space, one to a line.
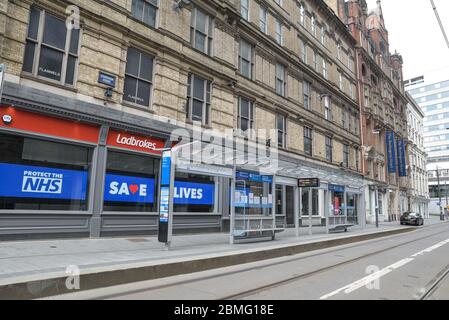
285,209
290,205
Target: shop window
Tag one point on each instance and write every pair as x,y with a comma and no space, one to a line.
199,99
338,204
138,78
43,175
194,193
131,183
145,11
310,201
51,50
201,31
253,194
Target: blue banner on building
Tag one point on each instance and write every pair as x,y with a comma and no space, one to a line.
128,189
391,152
141,190
21,181
402,162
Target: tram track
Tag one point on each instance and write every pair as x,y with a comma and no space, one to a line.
321,270
434,285
294,278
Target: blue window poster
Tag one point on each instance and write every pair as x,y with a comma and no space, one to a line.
194,193
128,189
22,181
391,152
240,175
141,190
337,188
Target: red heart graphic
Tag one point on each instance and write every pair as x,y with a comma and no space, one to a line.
134,188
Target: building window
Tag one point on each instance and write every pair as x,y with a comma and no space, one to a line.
351,90
303,51
340,81
280,79
357,159
281,126
350,63
307,96
263,20
346,156
199,99
201,31
138,78
339,51
245,9
313,25
194,193
246,115
124,170
315,61
323,35
246,59
329,149
350,119
51,49
325,73
344,118
308,140
43,175
279,36
145,11
327,109
302,14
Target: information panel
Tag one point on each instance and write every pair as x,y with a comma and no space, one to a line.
164,206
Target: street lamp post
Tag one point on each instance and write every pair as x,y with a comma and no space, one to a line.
439,195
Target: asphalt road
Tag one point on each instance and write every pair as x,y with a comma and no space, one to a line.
414,265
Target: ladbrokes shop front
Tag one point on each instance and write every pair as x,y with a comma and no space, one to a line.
62,177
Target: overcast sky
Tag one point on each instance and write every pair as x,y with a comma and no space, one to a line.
414,32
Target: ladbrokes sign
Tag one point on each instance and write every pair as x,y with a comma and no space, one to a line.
135,142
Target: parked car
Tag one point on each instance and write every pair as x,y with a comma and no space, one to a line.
412,218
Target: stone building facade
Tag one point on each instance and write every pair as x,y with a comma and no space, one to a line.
419,201
383,107
114,77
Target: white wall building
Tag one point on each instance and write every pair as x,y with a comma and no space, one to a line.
434,101
419,199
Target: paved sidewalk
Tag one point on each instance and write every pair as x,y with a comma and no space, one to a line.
33,260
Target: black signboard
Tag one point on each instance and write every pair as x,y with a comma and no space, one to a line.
309,183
